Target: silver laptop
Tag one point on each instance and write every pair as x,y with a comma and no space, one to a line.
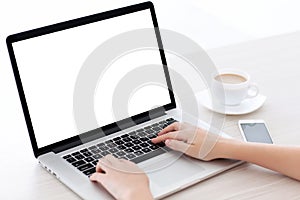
76,81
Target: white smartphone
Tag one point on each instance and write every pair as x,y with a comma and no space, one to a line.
255,131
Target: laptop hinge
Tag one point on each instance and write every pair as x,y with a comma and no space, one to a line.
151,115
66,146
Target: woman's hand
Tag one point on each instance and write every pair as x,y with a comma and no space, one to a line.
122,178
192,141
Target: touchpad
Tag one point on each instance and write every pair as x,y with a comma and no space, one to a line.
172,172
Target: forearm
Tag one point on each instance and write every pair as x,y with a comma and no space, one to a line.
283,159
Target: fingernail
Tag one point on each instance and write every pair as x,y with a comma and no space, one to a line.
167,142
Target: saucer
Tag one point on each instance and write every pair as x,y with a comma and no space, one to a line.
247,106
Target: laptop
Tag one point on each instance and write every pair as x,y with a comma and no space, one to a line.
75,110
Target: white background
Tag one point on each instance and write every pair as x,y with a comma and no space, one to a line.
212,23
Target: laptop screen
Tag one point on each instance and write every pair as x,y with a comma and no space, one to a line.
49,66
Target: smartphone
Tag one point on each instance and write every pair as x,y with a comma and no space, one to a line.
255,131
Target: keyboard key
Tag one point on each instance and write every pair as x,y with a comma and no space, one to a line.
150,136
85,167
111,145
136,141
136,148
147,128
171,122
97,156
90,171
132,133
149,142
126,139
153,147
87,154
134,137
100,144
71,160
140,130
95,162
156,129
116,155
67,156
95,151
75,154
161,127
113,150
104,148
79,157
92,147
138,153
129,144
129,150
130,156
142,134
89,159
83,150
116,138
120,153
154,125
170,119
104,153
165,125
124,136
122,147
78,163
119,142
161,144
144,144
146,150
144,139
148,155
149,131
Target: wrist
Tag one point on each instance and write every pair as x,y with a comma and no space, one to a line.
228,148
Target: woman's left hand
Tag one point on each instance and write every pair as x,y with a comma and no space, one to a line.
122,178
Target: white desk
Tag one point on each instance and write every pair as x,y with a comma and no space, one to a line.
274,64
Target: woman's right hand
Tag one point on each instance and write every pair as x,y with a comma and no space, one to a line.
193,141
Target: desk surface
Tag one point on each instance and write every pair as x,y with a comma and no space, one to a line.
273,63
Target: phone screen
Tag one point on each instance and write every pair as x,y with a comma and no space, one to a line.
256,132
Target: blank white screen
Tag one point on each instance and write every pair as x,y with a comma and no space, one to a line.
49,65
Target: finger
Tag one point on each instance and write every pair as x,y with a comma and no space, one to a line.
126,161
177,135
122,160
178,145
110,158
103,165
97,177
173,127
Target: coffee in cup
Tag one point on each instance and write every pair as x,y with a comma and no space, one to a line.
230,78
231,87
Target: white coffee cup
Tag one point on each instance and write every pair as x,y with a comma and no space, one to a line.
231,87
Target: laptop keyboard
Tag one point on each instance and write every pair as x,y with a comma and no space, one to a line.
135,146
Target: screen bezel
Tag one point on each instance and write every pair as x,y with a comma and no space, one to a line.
110,128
